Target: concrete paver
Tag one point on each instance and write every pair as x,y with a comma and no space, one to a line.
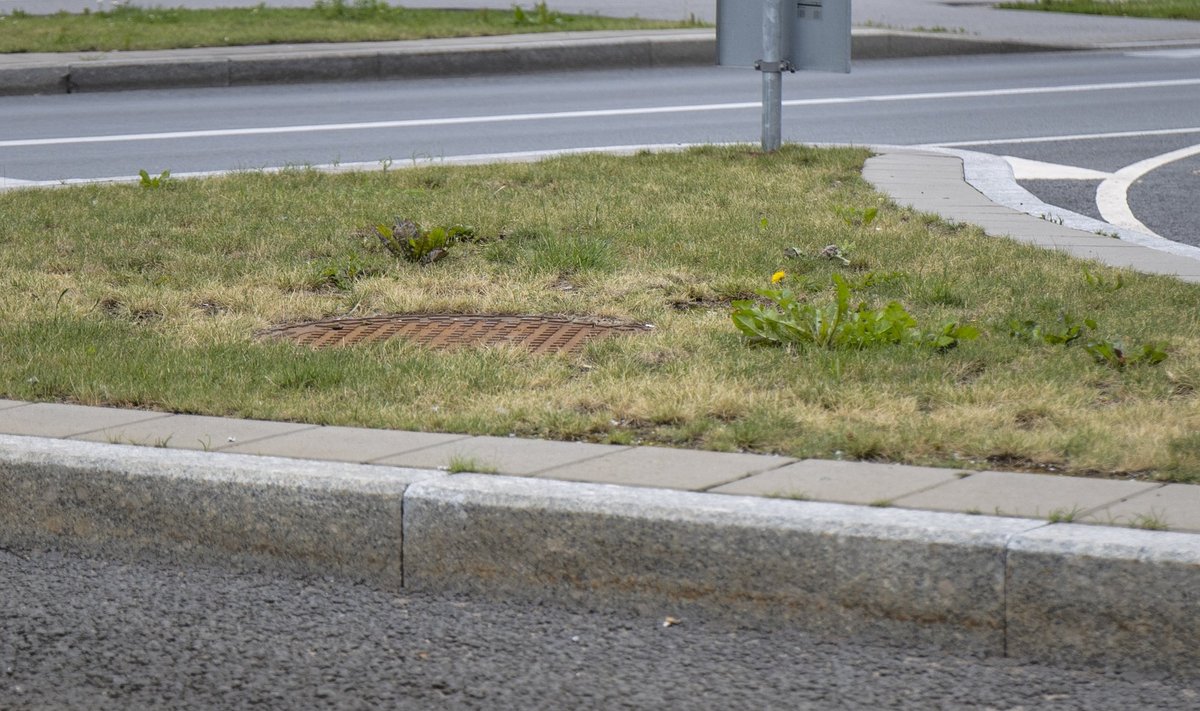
844,482
344,444
1177,506
666,468
1026,495
503,455
5,404
196,432
58,420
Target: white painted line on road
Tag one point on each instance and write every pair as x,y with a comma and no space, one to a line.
1167,54
592,113
1025,169
6,183
1070,137
1112,197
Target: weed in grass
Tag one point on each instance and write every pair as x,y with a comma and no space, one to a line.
1066,331
1114,355
407,240
792,321
540,15
857,216
460,464
1098,281
341,274
150,182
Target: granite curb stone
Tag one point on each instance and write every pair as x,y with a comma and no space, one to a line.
1082,595
836,569
235,510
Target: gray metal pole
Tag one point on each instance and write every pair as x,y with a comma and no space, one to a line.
772,76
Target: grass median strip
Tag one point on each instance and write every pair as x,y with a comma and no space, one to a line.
151,296
1160,9
133,28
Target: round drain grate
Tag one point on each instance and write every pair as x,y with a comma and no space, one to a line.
541,334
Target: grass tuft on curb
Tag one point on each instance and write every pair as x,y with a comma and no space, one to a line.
127,296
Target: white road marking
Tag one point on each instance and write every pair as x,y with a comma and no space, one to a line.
1112,197
1070,137
1166,53
6,183
594,113
1024,169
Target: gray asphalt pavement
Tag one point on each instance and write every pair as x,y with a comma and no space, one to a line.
78,633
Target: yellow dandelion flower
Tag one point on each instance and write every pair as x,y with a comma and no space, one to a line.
778,276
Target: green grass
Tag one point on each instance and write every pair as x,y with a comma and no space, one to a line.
1162,9
128,296
133,28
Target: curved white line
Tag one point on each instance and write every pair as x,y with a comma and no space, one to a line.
1112,197
992,176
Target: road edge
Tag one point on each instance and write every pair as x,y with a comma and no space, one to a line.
1063,593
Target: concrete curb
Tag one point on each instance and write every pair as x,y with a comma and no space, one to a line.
1063,593
243,66
235,510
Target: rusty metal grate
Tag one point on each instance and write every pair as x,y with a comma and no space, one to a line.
541,334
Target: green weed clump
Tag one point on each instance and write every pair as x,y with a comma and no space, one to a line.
792,321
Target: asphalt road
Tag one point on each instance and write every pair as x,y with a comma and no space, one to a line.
82,633
1080,110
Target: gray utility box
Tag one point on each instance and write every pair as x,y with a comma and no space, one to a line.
816,33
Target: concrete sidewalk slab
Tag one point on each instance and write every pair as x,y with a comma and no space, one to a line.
344,444
666,468
195,432
1174,506
507,455
841,482
1017,494
57,420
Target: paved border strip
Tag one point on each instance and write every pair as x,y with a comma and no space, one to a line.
219,67
1054,592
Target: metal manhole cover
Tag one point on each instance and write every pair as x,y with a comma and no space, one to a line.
541,334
